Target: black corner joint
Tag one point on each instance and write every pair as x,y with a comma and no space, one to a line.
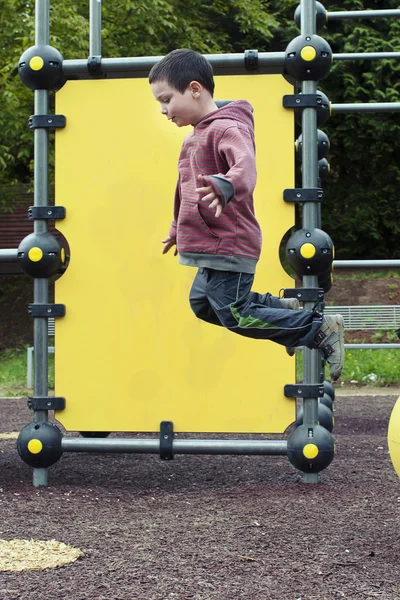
46,403
166,440
305,294
46,310
251,60
94,66
47,121
302,101
50,213
304,390
303,195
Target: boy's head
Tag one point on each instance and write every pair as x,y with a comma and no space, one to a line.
183,83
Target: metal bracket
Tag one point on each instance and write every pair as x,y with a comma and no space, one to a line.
251,60
166,440
303,195
47,122
46,310
302,101
305,294
304,390
46,403
51,213
94,65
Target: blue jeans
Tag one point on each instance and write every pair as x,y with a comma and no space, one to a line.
225,298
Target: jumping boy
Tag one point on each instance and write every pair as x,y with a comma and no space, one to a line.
214,227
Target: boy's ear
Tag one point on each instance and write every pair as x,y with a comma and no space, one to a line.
195,88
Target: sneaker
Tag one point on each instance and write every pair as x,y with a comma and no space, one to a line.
330,343
290,304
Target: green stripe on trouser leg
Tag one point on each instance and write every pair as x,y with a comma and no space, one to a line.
249,321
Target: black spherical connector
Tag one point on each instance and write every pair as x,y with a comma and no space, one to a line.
322,145
39,444
40,68
310,252
310,448
321,15
308,58
323,110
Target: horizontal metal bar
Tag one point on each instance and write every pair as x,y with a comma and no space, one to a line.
9,256
362,14
152,446
366,107
372,346
223,64
140,66
365,264
366,56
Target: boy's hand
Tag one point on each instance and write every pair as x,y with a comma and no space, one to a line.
210,196
169,242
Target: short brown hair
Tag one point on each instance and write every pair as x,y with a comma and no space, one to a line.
180,67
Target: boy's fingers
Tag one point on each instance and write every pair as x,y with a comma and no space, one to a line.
209,197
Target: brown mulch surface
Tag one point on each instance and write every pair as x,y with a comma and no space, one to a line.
205,527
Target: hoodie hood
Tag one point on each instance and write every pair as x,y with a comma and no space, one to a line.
237,110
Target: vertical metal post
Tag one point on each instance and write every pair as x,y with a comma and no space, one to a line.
95,28
310,218
41,198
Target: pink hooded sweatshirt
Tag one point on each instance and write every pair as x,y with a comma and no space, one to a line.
221,148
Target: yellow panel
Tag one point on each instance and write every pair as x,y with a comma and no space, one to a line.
130,353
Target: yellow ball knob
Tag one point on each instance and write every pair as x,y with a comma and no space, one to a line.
307,250
36,63
35,446
310,451
308,53
35,254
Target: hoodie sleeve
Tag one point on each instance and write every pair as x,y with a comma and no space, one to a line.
177,205
236,147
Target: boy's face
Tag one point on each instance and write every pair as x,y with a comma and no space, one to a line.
181,109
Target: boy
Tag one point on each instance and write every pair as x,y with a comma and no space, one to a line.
214,227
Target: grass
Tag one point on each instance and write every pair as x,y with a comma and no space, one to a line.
13,373
367,367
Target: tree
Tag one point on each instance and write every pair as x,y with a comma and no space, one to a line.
362,200
362,206
130,28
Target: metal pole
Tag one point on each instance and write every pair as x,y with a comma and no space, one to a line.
141,66
95,28
41,196
152,446
223,64
310,218
362,14
366,56
365,264
367,107
372,346
8,256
